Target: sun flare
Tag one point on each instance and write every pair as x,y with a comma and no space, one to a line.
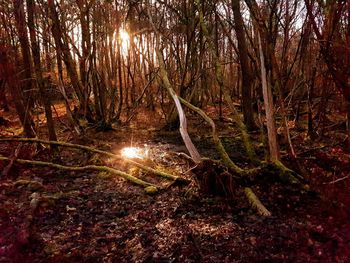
124,36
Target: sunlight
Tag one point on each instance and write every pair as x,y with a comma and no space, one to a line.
125,41
132,152
124,36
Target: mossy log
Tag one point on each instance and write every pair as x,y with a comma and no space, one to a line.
255,202
94,150
109,170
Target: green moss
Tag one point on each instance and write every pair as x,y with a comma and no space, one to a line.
151,190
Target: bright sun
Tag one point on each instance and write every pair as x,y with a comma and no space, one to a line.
125,41
124,36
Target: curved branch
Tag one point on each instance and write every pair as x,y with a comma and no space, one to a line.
224,156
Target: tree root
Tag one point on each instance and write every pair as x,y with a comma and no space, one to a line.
285,174
225,158
128,177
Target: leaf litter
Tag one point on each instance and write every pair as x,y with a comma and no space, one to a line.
56,216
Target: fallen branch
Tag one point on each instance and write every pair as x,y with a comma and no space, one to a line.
109,170
12,160
338,180
90,149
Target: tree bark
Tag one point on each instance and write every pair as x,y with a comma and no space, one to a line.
28,86
246,70
37,68
66,53
268,103
183,121
7,70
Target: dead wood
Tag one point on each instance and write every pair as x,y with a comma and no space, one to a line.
7,169
255,202
109,170
90,149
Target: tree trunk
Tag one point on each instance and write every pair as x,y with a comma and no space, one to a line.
37,67
246,70
268,103
28,86
66,53
183,121
7,70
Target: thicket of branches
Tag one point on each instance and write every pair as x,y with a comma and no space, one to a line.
74,47
282,59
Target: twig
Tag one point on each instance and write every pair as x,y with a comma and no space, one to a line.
338,180
12,160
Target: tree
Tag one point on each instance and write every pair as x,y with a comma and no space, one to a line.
8,73
333,35
246,70
35,48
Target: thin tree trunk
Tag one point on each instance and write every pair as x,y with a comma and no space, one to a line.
246,70
7,70
25,50
120,78
37,67
183,121
67,56
268,103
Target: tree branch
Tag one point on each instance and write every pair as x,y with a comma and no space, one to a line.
112,171
90,149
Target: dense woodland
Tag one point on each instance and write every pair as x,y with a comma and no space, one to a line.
252,98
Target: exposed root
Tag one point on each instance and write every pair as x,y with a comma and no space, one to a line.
286,175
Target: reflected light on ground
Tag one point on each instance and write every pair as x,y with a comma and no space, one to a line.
132,152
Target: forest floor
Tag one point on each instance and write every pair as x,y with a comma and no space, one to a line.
83,217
